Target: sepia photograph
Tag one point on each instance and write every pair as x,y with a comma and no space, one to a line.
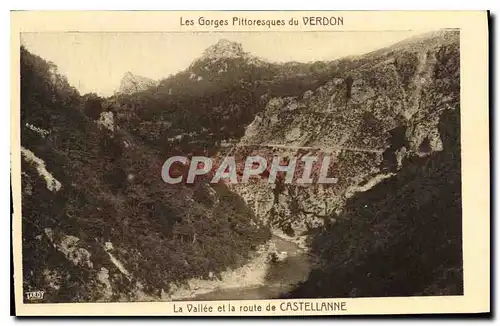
202,166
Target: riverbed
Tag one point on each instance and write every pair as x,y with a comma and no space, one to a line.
280,276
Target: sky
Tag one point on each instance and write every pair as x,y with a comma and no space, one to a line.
96,62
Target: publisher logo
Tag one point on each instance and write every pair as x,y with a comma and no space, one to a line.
35,295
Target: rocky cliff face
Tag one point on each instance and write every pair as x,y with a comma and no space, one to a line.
402,237
368,119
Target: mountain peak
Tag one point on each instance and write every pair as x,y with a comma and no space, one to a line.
131,83
128,74
224,49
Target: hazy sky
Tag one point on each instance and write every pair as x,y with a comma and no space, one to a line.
96,62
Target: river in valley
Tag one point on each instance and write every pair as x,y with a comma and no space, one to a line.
280,276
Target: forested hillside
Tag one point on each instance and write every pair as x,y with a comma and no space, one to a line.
110,228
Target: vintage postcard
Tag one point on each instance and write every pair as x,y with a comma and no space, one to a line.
250,163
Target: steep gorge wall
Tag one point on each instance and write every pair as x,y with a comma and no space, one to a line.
369,119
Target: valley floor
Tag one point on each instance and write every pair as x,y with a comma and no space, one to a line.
259,279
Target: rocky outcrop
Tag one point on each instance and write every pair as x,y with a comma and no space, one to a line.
224,49
106,120
52,183
131,83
